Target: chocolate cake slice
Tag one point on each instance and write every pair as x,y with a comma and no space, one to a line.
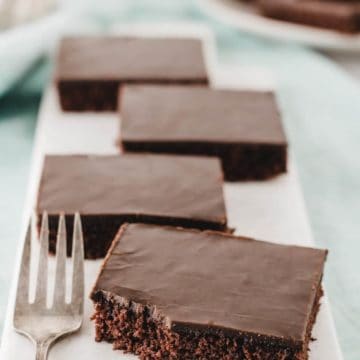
243,128
111,190
90,69
342,15
173,293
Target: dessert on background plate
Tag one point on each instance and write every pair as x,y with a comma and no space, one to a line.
89,70
110,190
172,293
320,24
243,128
341,15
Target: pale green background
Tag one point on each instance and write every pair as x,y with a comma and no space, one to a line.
321,107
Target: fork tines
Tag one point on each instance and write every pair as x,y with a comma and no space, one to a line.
59,296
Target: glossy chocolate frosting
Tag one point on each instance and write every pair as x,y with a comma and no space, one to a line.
196,114
131,59
212,280
152,185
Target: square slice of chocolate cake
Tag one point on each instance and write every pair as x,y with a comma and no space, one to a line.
243,128
111,190
172,293
90,69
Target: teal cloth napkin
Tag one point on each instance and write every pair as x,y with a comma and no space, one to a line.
321,109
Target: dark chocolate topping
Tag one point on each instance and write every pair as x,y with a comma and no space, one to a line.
215,280
157,185
131,59
175,113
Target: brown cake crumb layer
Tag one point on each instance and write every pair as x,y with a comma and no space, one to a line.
141,330
239,161
88,95
102,95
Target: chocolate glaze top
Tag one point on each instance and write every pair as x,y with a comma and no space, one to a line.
174,113
214,280
154,185
131,59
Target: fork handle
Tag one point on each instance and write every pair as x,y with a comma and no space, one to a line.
42,349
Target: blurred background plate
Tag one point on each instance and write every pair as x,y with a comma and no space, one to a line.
245,17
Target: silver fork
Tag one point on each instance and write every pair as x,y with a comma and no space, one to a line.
40,323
